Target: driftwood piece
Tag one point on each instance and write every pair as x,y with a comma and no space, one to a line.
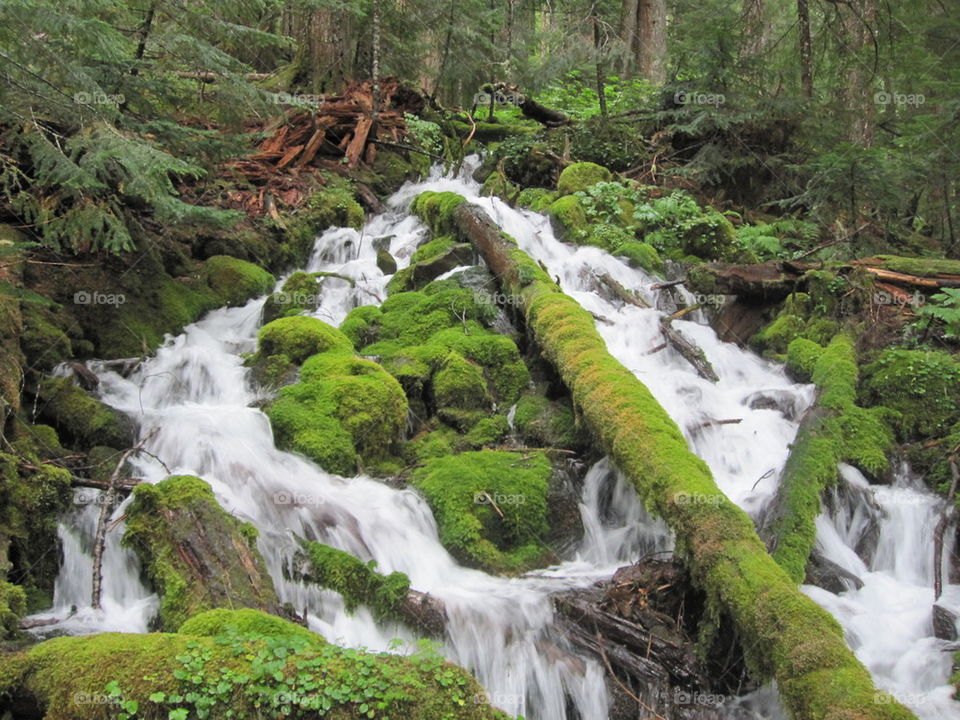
621,292
690,352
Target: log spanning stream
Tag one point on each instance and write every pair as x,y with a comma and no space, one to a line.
195,397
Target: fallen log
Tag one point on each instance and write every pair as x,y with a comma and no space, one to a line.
690,352
785,635
833,430
622,293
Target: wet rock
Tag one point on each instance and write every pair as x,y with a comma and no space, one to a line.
944,623
86,378
786,402
386,263
382,242
459,254
830,576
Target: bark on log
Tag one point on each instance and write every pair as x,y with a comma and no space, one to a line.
622,293
690,352
790,638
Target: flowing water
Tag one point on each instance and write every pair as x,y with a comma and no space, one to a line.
194,395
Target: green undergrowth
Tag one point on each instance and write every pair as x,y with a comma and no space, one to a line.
194,553
358,582
245,621
785,635
343,410
240,673
840,431
490,506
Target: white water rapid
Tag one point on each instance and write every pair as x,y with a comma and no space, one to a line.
196,395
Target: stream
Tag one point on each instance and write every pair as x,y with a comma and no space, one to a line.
194,394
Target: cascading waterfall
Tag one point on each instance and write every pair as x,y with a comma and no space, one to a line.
195,393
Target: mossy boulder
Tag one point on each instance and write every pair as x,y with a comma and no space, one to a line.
234,281
569,219
460,384
43,342
466,491
245,621
580,176
233,675
333,205
536,199
299,293
358,582
435,208
343,410
297,338
386,262
429,261
194,553
83,420
548,423
923,386
641,255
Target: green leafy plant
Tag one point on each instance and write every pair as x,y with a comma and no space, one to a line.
945,307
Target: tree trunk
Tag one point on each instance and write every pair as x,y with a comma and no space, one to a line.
790,638
754,28
806,48
652,37
598,66
628,34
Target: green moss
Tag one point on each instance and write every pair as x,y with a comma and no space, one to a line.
196,555
343,409
95,677
924,267
569,220
235,281
358,582
332,206
800,317
548,423
840,432
362,325
433,444
244,621
498,185
609,237
643,256
84,420
802,356
462,491
923,386
787,636
43,343
13,605
435,208
536,199
460,384
580,176
300,293
487,432
297,338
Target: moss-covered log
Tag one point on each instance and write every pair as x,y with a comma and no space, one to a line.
785,635
240,664
196,555
834,430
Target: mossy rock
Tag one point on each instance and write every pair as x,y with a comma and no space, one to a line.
13,606
642,255
43,342
235,281
923,386
609,237
344,409
82,419
580,176
536,199
358,582
194,553
245,621
299,337
362,325
429,261
802,356
548,423
462,490
161,675
435,208
300,293
460,384
569,219
386,262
